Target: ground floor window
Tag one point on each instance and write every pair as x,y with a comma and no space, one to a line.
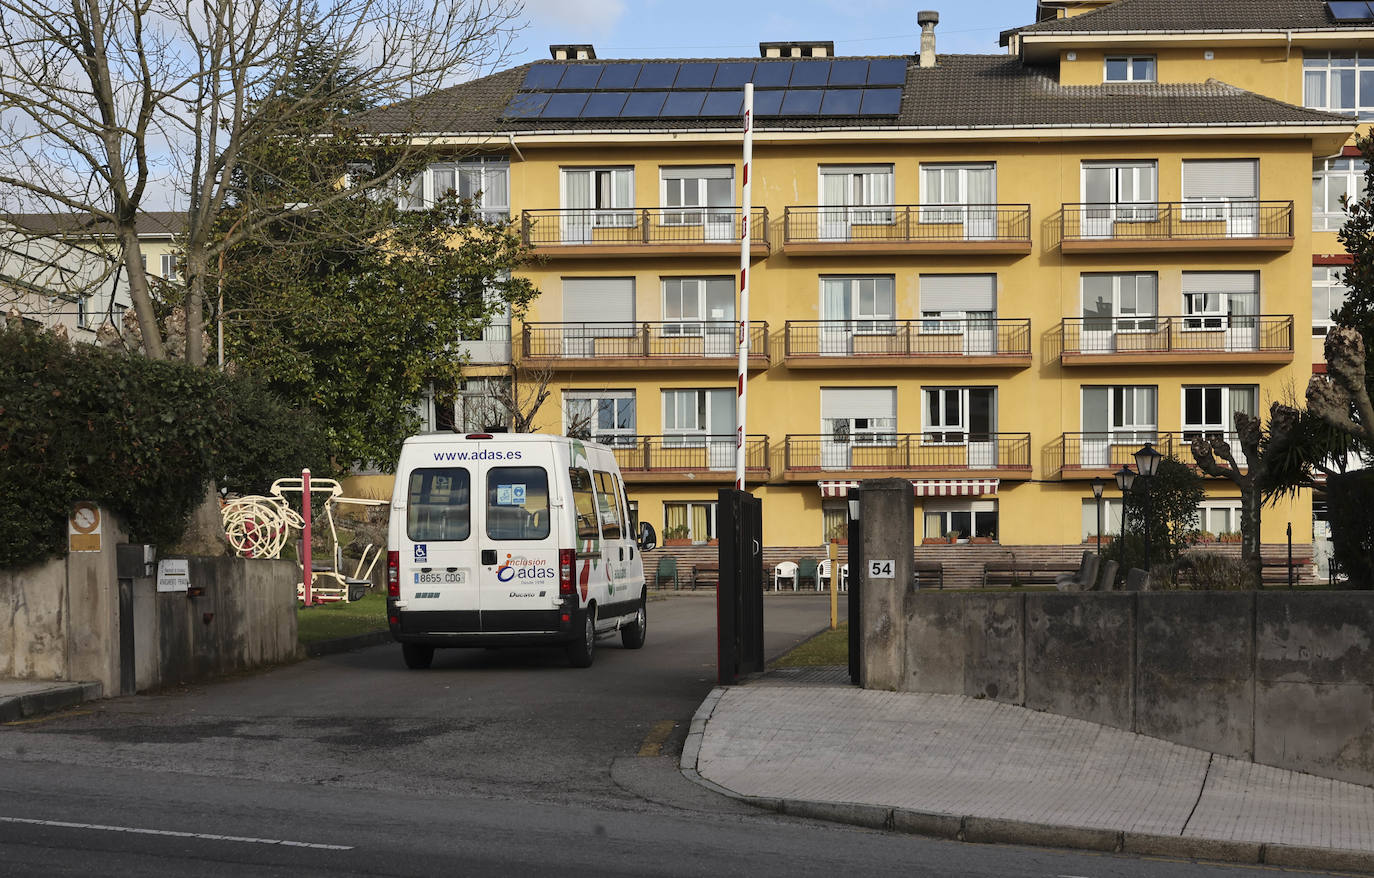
1219,518
1111,517
834,520
962,518
695,521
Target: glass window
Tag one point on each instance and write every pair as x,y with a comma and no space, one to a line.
1342,82
606,416
1332,180
966,518
517,503
439,505
1328,295
484,181
692,521
609,504
584,502
864,185
1111,517
1131,68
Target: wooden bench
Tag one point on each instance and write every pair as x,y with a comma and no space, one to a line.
1274,571
1023,572
928,574
705,574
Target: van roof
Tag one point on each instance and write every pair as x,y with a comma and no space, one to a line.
451,438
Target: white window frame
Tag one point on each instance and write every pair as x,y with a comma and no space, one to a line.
870,320
1140,172
620,400
1228,507
1130,62
606,212
945,213
1326,288
1216,208
682,325
1123,322
684,214
1319,68
861,192
1349,172
168,263
934,428
689,504
1226,407
1113,511
698,435
491,201
946,509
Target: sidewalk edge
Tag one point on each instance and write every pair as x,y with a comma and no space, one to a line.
60,696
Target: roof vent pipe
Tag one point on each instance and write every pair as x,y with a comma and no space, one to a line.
927,19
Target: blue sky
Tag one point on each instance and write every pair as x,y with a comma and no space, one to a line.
726,28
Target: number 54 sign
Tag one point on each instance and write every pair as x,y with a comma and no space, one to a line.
882,569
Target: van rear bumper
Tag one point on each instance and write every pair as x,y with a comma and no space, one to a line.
499,628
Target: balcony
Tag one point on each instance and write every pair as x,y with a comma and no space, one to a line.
704,345
866,344
962,229
903,455
1177,225
492,349
1100,455
653,232
692,457
1205,338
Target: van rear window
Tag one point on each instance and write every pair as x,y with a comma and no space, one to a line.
439,505
517,503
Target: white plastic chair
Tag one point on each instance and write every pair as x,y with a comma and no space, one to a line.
823,575
844,578
785,570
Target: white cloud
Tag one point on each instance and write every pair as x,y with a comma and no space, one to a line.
583,18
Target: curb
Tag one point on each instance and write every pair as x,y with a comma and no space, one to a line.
973,829
319,648
57,698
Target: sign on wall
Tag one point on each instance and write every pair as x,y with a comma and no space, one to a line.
83,527
173,574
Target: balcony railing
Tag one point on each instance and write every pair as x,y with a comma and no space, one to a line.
648,228
915,339
908,224
687,455
947,451
672,343
1175,221
1094,453
1204,335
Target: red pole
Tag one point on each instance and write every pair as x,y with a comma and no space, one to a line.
306,573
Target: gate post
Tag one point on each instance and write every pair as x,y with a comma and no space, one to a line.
739,591
856,585
887,512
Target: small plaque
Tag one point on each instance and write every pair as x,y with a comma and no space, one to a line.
173,574
883,569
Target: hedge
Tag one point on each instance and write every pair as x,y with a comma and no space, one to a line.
142,438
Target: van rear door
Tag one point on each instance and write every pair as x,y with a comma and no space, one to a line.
518,578
438,564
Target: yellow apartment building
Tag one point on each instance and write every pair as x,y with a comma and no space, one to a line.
994,275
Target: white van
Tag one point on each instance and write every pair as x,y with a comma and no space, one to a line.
512,539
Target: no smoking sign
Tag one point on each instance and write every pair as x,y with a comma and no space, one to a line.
83,528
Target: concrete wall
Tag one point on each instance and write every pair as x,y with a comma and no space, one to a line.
1282,678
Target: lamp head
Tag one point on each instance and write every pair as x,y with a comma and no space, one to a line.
1098,485
853,509
1147,460
1125,479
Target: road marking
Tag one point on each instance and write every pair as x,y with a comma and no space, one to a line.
63,824
653,742
48,718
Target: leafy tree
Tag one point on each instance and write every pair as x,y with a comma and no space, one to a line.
1173,494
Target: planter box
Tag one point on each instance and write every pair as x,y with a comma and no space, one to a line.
934,541
676,542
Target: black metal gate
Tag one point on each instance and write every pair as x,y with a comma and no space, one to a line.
739,596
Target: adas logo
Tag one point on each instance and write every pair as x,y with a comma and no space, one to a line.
525,569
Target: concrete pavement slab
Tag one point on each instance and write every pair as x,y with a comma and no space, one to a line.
20,699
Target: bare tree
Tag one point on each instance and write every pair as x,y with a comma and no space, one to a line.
102,102
1250,480
1341,396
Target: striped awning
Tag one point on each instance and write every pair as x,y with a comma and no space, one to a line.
922,487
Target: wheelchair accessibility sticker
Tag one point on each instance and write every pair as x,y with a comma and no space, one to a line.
421,554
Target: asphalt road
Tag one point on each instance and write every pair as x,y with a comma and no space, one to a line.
490,763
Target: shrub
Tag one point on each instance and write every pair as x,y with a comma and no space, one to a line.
1211,570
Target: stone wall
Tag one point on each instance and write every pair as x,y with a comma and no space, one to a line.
1282,678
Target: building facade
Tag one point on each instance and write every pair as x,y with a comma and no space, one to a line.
994,275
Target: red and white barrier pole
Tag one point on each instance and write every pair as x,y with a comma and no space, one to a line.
307,573
741,400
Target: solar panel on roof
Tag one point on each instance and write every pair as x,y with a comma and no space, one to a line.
887,71
657,76
604,104
1350,10
526,106
695,75
581,76
772,74
644,105
619,76
849,73
801,102
682,104
841,102
733,74
881,102
544,76
768,103
564,105
810,73
723,103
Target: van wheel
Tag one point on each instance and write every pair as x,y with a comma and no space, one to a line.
632,635
417,657
582,650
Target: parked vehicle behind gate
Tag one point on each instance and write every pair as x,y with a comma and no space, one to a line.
512,539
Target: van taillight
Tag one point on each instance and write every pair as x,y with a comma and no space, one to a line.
393,574
567,563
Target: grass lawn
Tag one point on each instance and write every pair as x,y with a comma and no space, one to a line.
827,648
327,621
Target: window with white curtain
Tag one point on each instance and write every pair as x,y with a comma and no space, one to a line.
956,184
1332,180
1216,300
694,520
1328,295
1111,517
866,304
606,193
1120,302
693,305
1126,411
694,414
685,188
605,416
482,180
1342,82
859,186
964,518
1130,188
1218,517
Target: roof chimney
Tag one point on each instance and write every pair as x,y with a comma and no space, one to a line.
572,52
927,19
798,49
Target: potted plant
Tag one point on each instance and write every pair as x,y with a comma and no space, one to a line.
952,537
1229,536
839,534
983,541
677,536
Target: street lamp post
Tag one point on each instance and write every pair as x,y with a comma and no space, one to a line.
1147,464
1125,479
1098,485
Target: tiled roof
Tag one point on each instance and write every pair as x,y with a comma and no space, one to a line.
151,222
961,91
1182,16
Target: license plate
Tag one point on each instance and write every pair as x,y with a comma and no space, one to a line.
447,577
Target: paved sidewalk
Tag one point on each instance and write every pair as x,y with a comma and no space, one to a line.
25,698
983,771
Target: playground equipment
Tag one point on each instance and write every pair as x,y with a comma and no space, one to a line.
259,526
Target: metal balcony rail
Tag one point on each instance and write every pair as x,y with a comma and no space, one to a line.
685,452
906,224
1114,449
1176,220
945,450
646,226
696,339
1202,333
932,337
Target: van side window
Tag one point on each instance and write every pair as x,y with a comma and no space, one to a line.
609,501
439,505
517,503
584,503
631,532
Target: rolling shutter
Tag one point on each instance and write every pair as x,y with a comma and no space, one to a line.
959,292
600,300
1230,282
842,403
1229,179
